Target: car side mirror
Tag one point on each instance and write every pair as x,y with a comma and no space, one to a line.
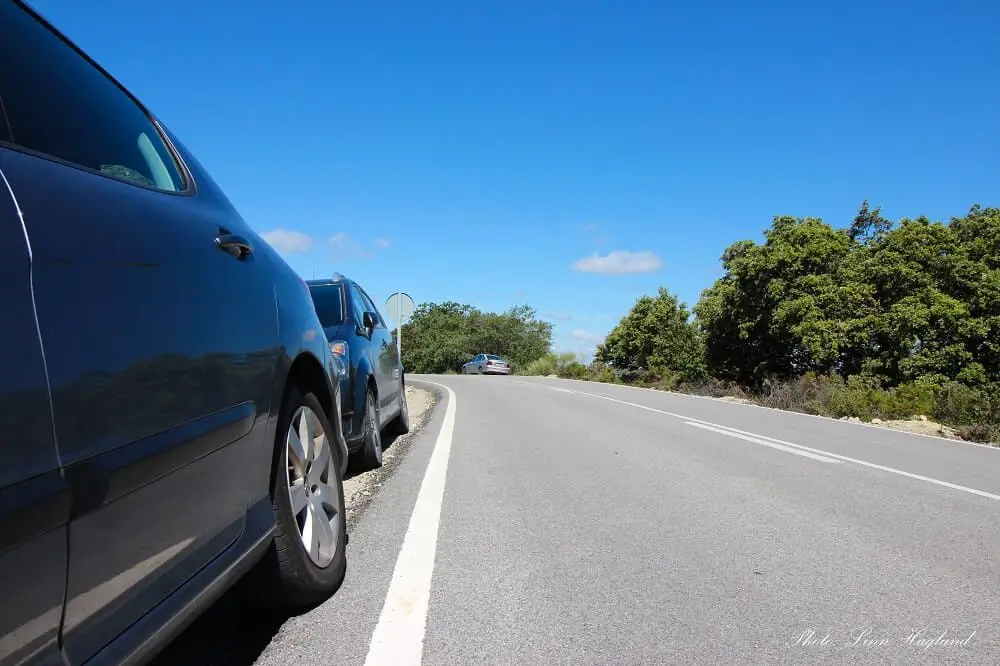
369,320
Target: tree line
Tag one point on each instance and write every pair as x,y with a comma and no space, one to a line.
874,319
440,337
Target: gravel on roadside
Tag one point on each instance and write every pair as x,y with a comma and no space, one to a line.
360,488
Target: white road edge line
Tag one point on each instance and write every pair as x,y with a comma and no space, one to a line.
863,463
755,440
398,639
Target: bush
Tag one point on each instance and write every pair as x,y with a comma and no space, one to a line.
573,370
911,399
810,394
715,388
982,433
564,365
960,405
602,372
541,367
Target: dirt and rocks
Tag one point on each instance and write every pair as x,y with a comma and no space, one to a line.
360,487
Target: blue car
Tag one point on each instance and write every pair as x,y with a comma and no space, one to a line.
169,418
372,382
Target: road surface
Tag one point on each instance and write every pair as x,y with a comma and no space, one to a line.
543,521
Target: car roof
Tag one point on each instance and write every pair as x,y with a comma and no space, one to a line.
336,279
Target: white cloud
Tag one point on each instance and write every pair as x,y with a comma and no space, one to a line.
560,316
620,262
287,242
343,245
382,242
584,337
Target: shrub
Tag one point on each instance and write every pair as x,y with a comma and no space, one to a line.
960,405
715,388
810,394
540,367
911,399
573,370
602,372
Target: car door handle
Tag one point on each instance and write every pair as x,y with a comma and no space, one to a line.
235,245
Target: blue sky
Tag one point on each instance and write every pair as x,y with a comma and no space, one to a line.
568,155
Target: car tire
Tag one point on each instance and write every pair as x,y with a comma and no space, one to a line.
401,423
371,448
293,576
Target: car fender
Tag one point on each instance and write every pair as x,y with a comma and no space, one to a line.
359,381
301,335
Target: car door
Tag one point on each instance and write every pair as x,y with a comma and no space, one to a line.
34,498
480,362
160,342
388,358
376,351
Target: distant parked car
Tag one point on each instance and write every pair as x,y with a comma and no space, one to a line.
168,417
487,364
372,381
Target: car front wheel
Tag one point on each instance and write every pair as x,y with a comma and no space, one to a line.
372,448
401,423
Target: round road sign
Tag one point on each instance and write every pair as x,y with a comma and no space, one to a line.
399,307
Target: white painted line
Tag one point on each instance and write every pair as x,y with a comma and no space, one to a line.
398,639
689,396
756,440
863,463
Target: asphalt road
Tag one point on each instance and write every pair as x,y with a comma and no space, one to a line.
559,522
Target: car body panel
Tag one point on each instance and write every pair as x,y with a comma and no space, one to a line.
34,497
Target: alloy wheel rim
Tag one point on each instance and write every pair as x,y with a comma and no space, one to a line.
373,431
312,492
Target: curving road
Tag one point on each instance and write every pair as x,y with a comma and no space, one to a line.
543,521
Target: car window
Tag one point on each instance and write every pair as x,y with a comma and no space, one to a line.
371,307
58,104
494,357
329,302
357,306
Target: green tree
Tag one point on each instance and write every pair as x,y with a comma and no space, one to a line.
655,339
442,336
437,337
772,314
918,300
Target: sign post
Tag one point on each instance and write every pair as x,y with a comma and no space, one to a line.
400,307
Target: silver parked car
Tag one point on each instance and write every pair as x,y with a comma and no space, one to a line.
487,364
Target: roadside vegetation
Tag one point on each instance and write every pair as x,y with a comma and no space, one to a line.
440,337
877,320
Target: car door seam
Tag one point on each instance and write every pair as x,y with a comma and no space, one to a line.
48,395
34,313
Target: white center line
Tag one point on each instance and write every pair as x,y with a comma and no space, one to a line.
756,440
398,639
863,463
